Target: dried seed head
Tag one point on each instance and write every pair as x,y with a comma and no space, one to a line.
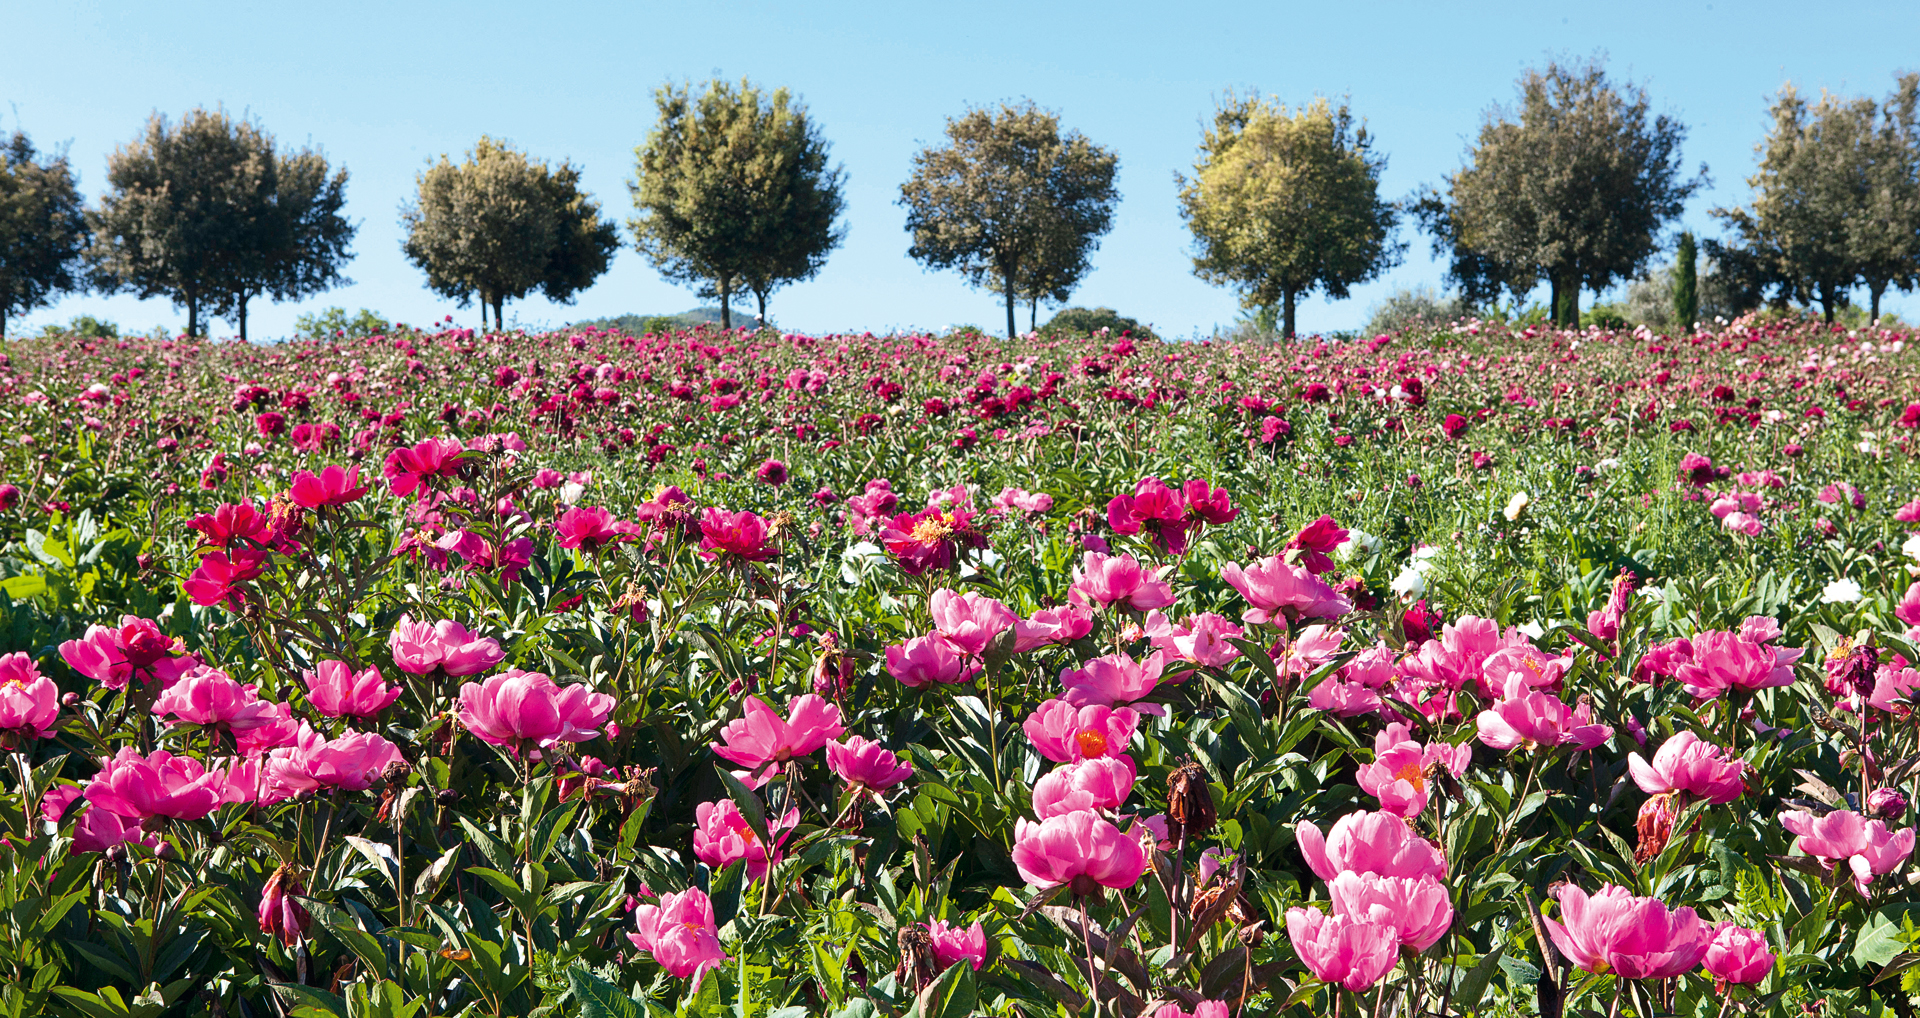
1190,806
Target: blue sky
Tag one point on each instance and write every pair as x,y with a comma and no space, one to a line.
385,87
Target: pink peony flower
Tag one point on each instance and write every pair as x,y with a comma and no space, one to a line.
1315,542
111,655
680,934
1279,591
1065,733
420,647
722,835
1415,908
1012,499
334,689
220,576
1686,763
1354,689
1398,774
1098,783
1634,938
1102,580
760,738
335,485
1339,949
1532,720
281,915
1380,843
1867,846
969,621
925,660
1081,850
955,944
352,762
161,785
867,764
741,535
29,701
407,468
588,528
1737,954
1050,626
1719,661
1204,1009
1114,680
1201,639
209,696
516,708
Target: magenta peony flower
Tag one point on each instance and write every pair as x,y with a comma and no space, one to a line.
1719,661
1338,949
1049,626
1631,937
722,835
1867,846
516,708
925,660
407,468
420,647
29,701
220,576
1283,592
111,655
587,528
209,696
334,485
1098,783
761,737
741,535
864,763
955,944
1415,908
1398,774
969,621
162,785
351,762
1101,580
1114,680
281,914
1379,843
680,934
335,690
1685,763
1065,733
1737,954
1531,720
1081,850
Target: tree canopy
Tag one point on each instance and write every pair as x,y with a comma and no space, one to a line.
1836,200
1574,186
1011,202
1285,202
43,228
732,191
499,225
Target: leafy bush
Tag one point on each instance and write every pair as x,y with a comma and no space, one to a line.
1086,321
1419,307
590,672
337,322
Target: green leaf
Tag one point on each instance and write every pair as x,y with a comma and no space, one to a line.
498,853
748,803
599,998
1473,985
332,1003
22,587
953,995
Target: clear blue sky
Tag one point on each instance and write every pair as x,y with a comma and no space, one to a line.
384,87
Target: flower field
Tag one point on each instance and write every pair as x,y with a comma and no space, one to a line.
1478,671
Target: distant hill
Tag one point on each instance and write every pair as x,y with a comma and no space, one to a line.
663,323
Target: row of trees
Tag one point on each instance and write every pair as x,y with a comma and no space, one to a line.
210,212
734,193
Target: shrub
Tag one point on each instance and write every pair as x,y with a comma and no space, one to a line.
1086,321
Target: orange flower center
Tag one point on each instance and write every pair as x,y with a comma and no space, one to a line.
1091,743
1413,774
931,530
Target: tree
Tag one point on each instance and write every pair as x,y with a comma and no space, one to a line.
1686,284
1011,203
43,229
1572,186
1283,203
500,225
296,244
733,192
1886,235
185,210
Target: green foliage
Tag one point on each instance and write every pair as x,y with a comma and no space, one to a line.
1606,316
335,321
500,225
43,228
1087,321
1011,203
1686,284
1573,187
1285,203
733,191
1414,308
85,327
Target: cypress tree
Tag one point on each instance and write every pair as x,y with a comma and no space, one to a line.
1686,284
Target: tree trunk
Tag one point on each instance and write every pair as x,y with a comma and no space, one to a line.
1874,290
1010,301
1566,300
193,315
243,315
1827,302
761,297
1033,315
499,319
726,303
1288,299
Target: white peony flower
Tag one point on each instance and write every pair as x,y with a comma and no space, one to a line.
1840,591
1516,506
